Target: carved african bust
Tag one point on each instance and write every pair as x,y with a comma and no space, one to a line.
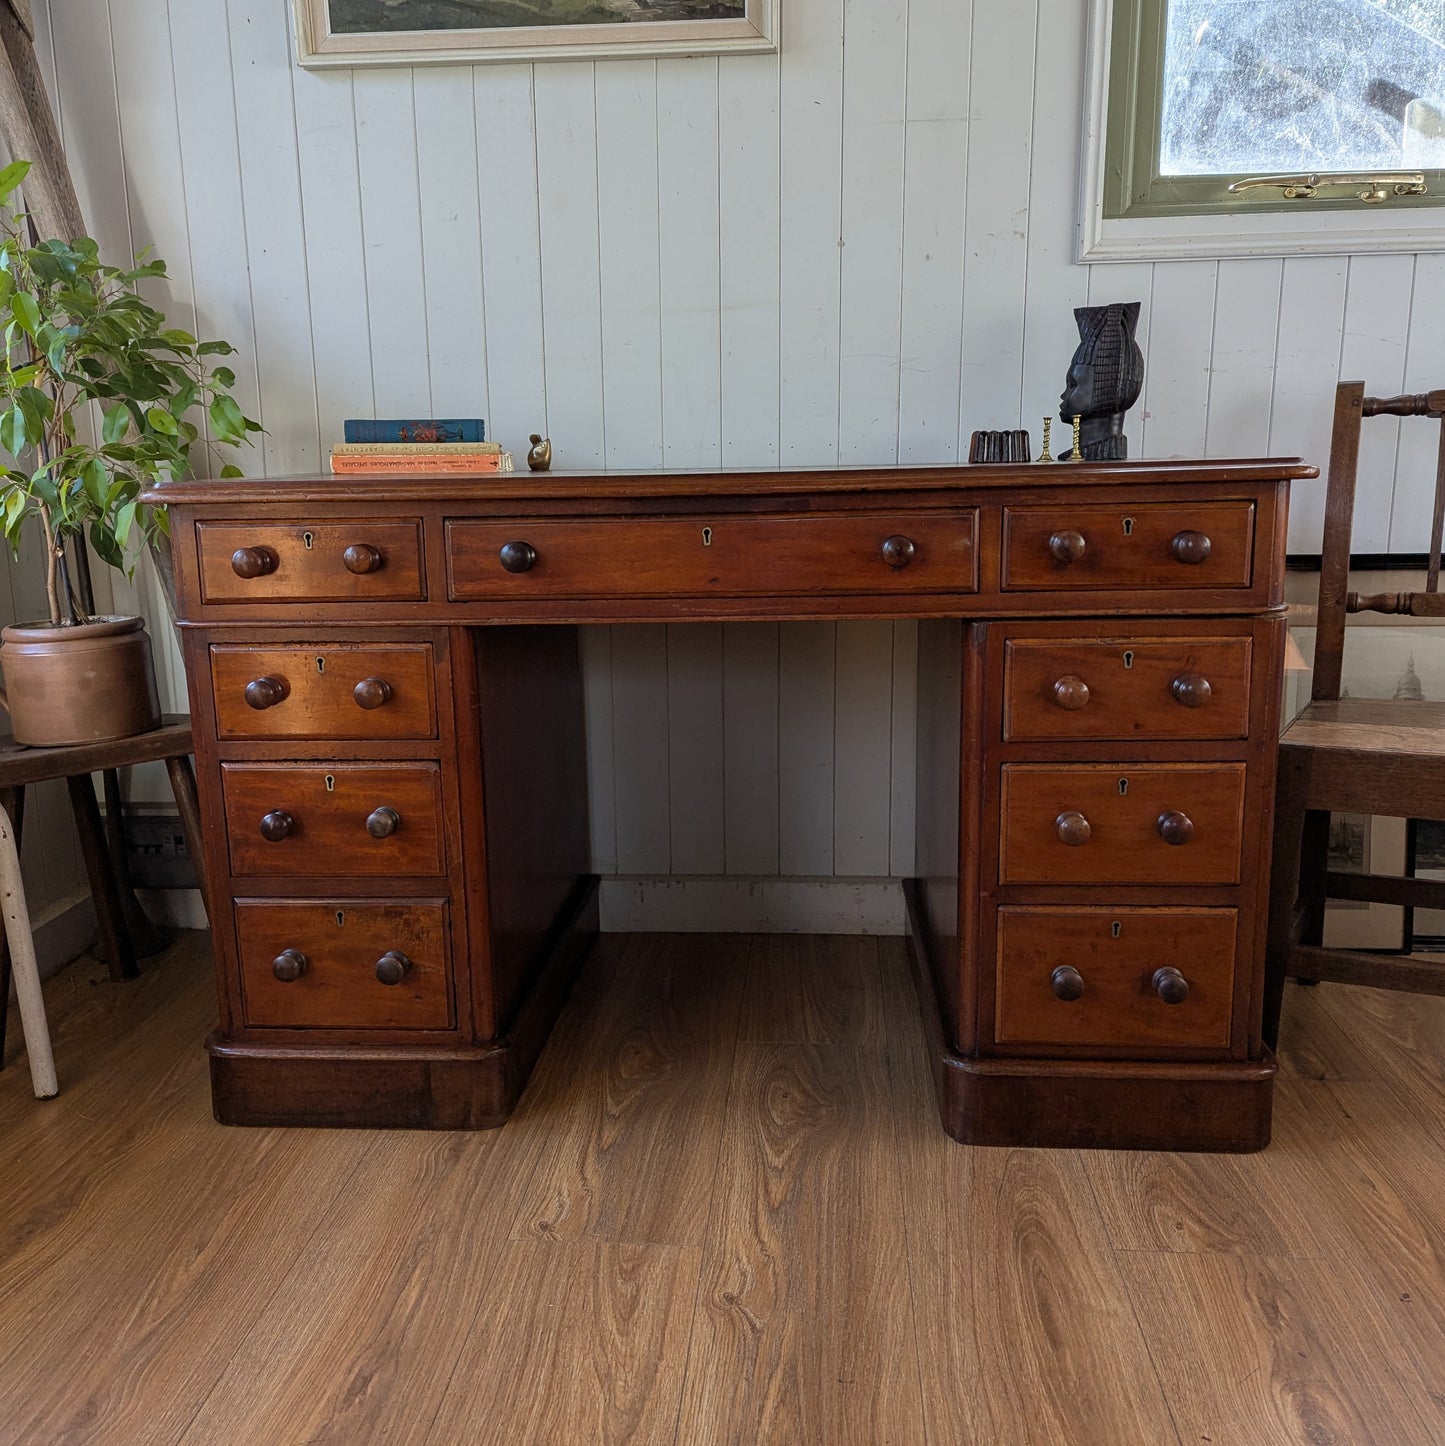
1105,379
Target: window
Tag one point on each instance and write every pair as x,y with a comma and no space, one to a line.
1194,95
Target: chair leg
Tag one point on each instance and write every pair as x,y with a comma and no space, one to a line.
183,785
1285,885
12,800
27,970
113,938
145,938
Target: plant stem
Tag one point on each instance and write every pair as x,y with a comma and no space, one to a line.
52,563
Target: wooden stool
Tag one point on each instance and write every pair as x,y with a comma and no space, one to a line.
124,930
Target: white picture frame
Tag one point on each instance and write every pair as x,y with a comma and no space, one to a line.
326,34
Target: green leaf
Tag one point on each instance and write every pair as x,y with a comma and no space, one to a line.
96,481
116,424
12,176
13,432
224,377
215,348
175,337
162,421
25,311
231,470
226,419
124,521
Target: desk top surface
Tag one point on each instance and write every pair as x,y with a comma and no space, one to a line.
673,482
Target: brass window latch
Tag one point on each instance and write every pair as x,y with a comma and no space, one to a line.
1373,187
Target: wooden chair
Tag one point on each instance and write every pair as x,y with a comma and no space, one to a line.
124,930
1354,755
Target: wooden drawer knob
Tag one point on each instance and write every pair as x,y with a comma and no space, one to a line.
1190,546
382,822
1175,827
361,557
277,825
1191,690
518,556
267,692
1170,985
1067,545
1071,693
1073,829
371,693
898,551
253,561
1067,983
392,966
289,965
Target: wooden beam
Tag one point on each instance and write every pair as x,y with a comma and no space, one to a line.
27,126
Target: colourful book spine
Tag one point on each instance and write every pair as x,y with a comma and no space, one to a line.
415,429
412,464
382,449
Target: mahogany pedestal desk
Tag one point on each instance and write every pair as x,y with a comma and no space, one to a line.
387,703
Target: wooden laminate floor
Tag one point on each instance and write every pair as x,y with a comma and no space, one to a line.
724,1213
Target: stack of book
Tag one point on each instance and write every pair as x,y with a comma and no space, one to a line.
418,447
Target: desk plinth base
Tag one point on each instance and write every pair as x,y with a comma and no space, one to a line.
1089,1104
417,1087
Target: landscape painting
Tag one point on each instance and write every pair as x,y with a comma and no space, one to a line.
412,32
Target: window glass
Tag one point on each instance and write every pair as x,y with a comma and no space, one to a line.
1254,86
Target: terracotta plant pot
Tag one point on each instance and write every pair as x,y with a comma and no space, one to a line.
80,684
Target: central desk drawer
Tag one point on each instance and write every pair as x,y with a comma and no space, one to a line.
315,964
1121,823
289,819
1153,545
360,561
714,556
331,690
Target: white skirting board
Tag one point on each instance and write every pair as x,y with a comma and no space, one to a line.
642,904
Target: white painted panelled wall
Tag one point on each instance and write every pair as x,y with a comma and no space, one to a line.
857,251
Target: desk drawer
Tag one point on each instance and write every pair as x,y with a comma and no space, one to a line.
287,819
1154,545
1121,823
714,556
1092,977
1184,687
360,561
385,690
314,964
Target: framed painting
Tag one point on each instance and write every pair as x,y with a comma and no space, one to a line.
419,32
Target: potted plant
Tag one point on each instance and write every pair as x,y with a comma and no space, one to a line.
97,397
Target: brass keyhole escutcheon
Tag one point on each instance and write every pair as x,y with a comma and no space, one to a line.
321,665
1123,787
309,539
1115,929
1128,658
707,537
1128,527
331,783
340,918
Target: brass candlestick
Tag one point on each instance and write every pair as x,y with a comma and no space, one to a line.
1077,455
1044,454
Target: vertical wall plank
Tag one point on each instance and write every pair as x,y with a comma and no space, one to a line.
1307,367
1246,331
935,173
695,747
640,749
571,280
627,206
687,178
1001,91
1414,492
806,655
749,200
750,747
1377,329
512,256
451,242
810,277
863,738
1181,340
874,97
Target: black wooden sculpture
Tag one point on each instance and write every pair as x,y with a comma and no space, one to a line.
1105,378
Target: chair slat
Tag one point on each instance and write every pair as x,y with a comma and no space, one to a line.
1420,404
1403,604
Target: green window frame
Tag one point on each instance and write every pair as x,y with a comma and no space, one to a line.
1132,185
